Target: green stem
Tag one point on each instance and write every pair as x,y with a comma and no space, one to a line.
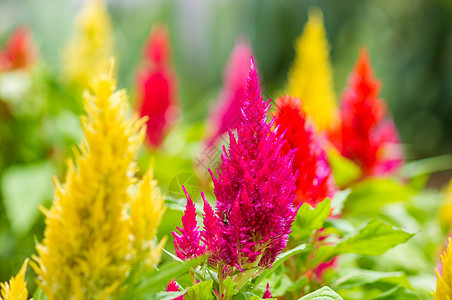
192,276
220,282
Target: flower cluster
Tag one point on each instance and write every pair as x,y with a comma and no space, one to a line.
254,192
366,134
90,241
314,179
16,288
20,51
156,90
311,75
226,114
89,51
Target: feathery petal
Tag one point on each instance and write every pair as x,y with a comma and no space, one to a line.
255,188
444,278
187,244
311,75
267,293
226,114
174,287
366,134
156,87
147,208
90,49
16,288
86,250
314,180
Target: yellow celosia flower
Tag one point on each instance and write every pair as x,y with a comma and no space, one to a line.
87,248
88,52
146,212
444,280
16,288
445,210
311,75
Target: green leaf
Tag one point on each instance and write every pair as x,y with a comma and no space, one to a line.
229,287
309,219
337,203
154,281
246,296
201,290
398,292
360,277
280,259
368,196
324,293
24,189
375,238
344,170
167,295
39,294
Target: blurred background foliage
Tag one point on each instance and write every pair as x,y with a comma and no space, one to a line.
410,44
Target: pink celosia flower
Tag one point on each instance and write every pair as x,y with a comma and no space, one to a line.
174,287
267,293
255,188
226,114
366,135
314,177
156,87
20,51
187,244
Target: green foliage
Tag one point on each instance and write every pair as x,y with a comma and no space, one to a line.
202,290
309,219
324,293
24,188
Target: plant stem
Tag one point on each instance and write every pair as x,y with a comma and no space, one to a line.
192,276
220,282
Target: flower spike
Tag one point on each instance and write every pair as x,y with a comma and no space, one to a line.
187,244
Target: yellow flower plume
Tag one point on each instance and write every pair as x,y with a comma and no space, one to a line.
311,75
88,52
146,212
87,249
16,288
444,280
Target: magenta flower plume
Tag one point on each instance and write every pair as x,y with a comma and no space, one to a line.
226,114
187,244
267,293
156,87
314,176
174,287
255,188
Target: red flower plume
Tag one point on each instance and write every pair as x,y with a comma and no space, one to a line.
156,87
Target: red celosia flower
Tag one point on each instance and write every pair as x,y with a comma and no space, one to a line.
267,293
174,287
226,114
255,188
20,51
156,86
314,180
365,134
187,244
